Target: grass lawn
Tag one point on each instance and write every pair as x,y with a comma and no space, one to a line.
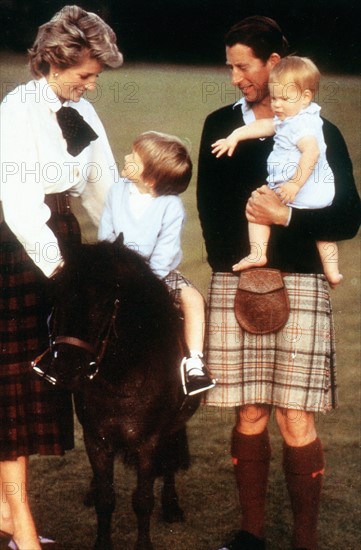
176,99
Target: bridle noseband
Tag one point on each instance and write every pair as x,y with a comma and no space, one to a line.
101,344
72,341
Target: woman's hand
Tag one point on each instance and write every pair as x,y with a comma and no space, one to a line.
265,208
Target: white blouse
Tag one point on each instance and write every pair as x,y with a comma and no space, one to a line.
35,162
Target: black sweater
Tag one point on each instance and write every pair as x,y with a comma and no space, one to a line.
225,185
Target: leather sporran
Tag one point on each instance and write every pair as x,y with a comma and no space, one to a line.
261,305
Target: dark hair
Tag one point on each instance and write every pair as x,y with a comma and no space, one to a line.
260,33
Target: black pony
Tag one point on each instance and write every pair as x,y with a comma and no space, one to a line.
116,341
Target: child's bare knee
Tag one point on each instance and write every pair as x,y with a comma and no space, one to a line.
191,296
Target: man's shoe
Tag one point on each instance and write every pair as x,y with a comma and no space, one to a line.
244,541
195,377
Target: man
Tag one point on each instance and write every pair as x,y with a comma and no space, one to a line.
293,370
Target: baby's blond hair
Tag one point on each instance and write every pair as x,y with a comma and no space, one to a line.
300,71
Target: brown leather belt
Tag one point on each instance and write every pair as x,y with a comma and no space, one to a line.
58,202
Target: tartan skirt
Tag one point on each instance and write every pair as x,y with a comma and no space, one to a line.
35,417
294,368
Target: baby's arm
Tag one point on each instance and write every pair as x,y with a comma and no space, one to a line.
259,128
310,153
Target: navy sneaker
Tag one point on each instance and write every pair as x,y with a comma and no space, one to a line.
195,377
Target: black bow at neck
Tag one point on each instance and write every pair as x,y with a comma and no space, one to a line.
76,132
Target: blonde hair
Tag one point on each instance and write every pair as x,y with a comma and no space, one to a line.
300,71
67,36
166,160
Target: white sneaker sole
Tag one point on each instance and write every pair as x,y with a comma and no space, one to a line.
183,377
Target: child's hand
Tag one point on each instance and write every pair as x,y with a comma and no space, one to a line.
287,192
222,146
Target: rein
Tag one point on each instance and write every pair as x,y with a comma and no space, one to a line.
101,344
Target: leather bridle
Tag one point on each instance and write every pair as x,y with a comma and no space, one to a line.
98,350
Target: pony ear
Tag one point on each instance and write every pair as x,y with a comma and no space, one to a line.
117,246
120,240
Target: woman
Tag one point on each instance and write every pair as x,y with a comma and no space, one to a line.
293,370
52,145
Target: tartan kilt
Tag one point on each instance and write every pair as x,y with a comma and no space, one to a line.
35,417
294,368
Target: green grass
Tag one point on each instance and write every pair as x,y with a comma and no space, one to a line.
176,99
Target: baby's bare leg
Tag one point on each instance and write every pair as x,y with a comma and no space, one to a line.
258,238
329,257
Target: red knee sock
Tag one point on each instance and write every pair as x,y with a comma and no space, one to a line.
304,468
251,458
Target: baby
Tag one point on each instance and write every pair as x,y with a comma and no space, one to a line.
297,167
